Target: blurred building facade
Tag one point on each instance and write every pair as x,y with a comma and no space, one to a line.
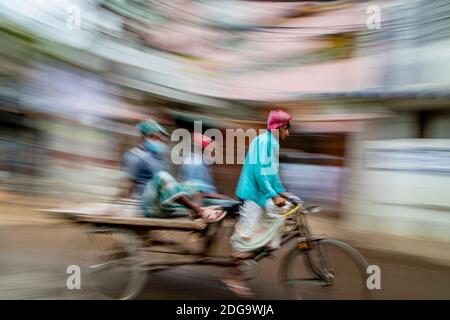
370,138
399,165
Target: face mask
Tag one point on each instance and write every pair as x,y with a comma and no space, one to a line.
156,146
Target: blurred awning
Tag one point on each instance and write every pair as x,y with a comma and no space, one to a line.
208,121
410,97
170,93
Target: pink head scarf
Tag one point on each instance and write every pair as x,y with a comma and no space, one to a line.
278,119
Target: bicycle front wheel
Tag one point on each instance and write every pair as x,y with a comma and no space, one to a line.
330,269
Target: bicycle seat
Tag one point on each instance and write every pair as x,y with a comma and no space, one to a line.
232,208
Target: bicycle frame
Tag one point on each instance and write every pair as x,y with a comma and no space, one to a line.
299,231
305,243
134,237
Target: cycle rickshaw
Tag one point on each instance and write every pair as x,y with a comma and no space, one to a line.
310,269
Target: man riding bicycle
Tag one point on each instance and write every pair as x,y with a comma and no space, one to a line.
264,198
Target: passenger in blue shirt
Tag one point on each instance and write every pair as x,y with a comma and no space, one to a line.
194,166
147,178
196,173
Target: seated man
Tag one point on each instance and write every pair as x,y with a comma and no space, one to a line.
197,175
147,178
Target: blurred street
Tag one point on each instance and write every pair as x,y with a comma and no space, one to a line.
31,266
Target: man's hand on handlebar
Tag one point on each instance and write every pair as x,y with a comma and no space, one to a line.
292,198
279,201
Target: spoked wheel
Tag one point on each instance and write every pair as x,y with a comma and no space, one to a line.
110,261
330,269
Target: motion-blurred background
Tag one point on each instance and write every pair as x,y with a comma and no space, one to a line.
370,140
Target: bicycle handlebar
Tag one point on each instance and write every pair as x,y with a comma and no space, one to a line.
291,211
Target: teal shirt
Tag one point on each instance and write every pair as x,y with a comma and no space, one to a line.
260,180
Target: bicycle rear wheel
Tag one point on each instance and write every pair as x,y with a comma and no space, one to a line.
330,269
109,261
